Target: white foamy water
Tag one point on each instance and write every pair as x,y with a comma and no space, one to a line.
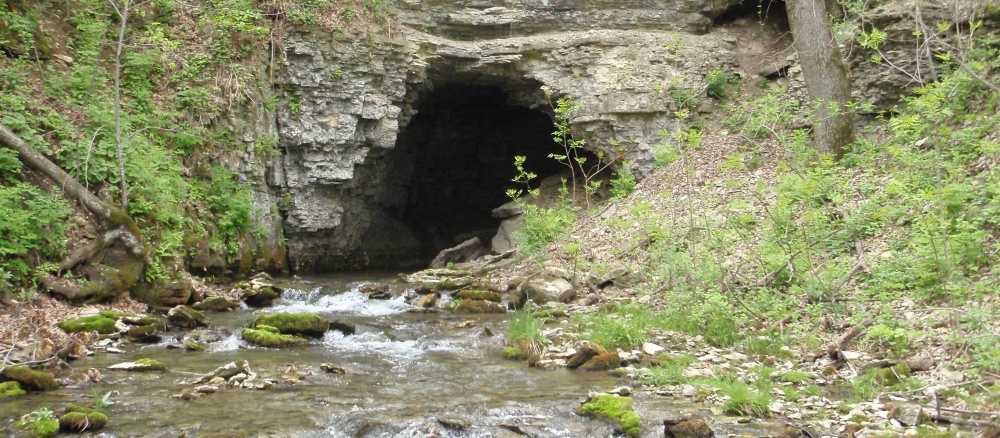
230,343
351,302
380,344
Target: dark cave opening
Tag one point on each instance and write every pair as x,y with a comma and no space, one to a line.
454,161
770,12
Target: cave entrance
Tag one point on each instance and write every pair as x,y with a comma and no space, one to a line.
454,161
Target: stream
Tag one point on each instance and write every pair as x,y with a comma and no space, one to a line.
405,371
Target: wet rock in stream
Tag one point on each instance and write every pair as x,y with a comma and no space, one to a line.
186,317
216,304
143,364
270,337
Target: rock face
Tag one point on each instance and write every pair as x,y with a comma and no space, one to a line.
546,288
394,148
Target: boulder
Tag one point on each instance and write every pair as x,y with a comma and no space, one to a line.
270,337
480,306
166,294
426,301
545,288
687,428
466,251
305,324
602,362
260,295
376,291
93,323
79,419
584,353
216,304
186,317
615,408
504,240
484,295
907,415
343,327
146,334
30,379
143,364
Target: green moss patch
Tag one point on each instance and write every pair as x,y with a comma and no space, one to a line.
151,364
483,295
40,428
614,408
77,421
10,389
305,324
265,338
94,323
31,379
114,314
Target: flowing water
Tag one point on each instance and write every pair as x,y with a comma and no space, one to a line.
404,372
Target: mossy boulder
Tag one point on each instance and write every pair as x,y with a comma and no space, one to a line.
147,334
603,362
31,379
305,324
480,306
892,375
270,337
426,301
260,295
615,408
165,294
144,364
10,389
584,353
94,323
691,428
186,317
216,304
42,428
79,419
483,295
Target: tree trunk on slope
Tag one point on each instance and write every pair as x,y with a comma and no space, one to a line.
116,223
826,75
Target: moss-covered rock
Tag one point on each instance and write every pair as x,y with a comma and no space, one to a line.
305,324
615,408
267,338
10,389
480,306
31,379
144,364
216,304
483,295
41,428
426,301
692,428
148,334
892,375
94,323
260,296
186,317
80,420
115,314
603,362
585,352
165,294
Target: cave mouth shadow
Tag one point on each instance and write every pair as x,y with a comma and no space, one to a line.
454,161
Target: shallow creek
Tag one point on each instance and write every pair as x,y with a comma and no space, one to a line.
404,371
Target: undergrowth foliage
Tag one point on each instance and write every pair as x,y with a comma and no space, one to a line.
183,64
911,212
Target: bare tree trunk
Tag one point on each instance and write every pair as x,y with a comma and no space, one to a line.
112,218
827,78
123,15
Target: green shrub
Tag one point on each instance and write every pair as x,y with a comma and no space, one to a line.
543,226
524,333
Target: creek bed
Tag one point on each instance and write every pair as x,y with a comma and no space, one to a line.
404,372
